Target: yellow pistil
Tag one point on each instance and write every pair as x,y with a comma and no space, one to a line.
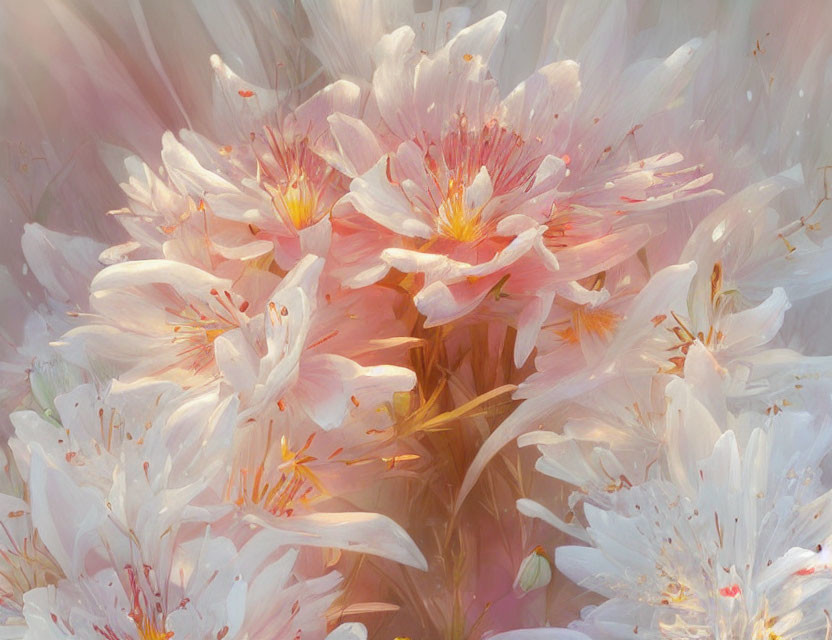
145,624
676,592
298,200
213,334
454,220
148,631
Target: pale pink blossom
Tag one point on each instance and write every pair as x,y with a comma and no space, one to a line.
481,192
283,285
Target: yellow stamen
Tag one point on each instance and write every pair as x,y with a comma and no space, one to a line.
299,201
277,488
213,334
454,220
148,631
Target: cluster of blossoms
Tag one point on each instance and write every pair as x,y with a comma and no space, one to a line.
465,321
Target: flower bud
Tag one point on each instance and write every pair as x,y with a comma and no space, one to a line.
535,571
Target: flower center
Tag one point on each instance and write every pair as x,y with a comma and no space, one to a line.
148,631
195,328
298,180
455,220
146,625
197,341
24,567
298,200
676,592
213,334
279,482
598,322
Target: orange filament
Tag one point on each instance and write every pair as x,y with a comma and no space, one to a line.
24,566
197,331
147,627
278,486
585,321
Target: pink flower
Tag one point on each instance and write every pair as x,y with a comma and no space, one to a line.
269,174
476,191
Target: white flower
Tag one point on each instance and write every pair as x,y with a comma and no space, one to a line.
730,544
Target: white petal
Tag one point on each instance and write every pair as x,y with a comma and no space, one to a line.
358,149
374,196
533,509
237,360
479,191
65,515
360,532
63,264
528,325
187,174
182,277
691,435
349,631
